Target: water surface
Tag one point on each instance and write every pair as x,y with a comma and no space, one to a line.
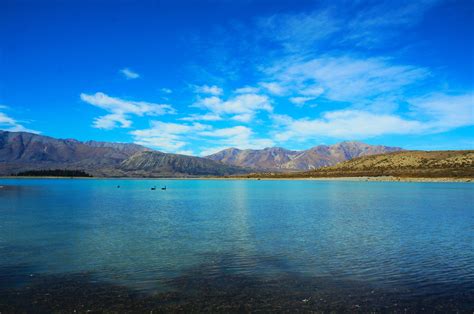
382,243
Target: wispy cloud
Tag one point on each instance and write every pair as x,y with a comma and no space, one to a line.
345,124
8,123
298,32
170,137
345,78
443,112
247,90
202,117
349,23
210,90
300,101
274,88
378,23
430,114
242,107
129,74
238,136
121,110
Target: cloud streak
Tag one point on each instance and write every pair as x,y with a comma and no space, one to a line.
120,110
129,74
242,107
428,115
8,123
170,137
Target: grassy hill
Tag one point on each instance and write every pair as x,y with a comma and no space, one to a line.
416,164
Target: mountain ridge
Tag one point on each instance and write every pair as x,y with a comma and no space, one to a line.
282,159
20,151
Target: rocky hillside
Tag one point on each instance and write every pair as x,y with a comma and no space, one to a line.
21,151
268,158
280,159
426,164
153,164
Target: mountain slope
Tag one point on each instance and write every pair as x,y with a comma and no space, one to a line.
268,158
21,151
27,151
151,163
426,164
280,159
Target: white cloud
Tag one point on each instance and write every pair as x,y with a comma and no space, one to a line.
7,123
129,74
247,90
170,137
273,88
202,117
166,90
444,112
237,136
349,24
241,107
346,124
299,101
430,114
346,78
297,32
110,121
211,90
120,110
313,91
377,23
185,152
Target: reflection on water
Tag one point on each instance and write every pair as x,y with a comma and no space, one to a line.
387,241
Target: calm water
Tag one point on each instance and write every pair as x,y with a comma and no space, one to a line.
416,239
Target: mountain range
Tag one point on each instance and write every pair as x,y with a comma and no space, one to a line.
20,151
280,159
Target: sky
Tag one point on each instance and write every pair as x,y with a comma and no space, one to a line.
195,77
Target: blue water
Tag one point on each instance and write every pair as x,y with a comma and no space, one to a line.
416,236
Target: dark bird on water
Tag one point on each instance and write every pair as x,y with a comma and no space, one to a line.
118,186
153,188
164,188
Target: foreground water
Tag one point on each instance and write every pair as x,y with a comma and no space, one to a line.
235,245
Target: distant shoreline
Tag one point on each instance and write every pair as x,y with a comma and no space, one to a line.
356,179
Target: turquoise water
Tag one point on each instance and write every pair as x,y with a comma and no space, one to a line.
413,237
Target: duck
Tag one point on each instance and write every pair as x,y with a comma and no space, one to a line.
153,188
164,188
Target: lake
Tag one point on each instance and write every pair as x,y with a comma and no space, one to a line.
235,245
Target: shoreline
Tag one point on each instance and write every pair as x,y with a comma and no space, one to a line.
354,179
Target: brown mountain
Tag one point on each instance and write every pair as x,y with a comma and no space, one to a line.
280,159
268,158
156,164
27,151
21,151
422,164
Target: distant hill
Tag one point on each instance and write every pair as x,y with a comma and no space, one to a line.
280,159
426,164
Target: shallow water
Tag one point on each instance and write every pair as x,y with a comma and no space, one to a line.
409,241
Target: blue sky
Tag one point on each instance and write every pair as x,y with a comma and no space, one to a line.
195,77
